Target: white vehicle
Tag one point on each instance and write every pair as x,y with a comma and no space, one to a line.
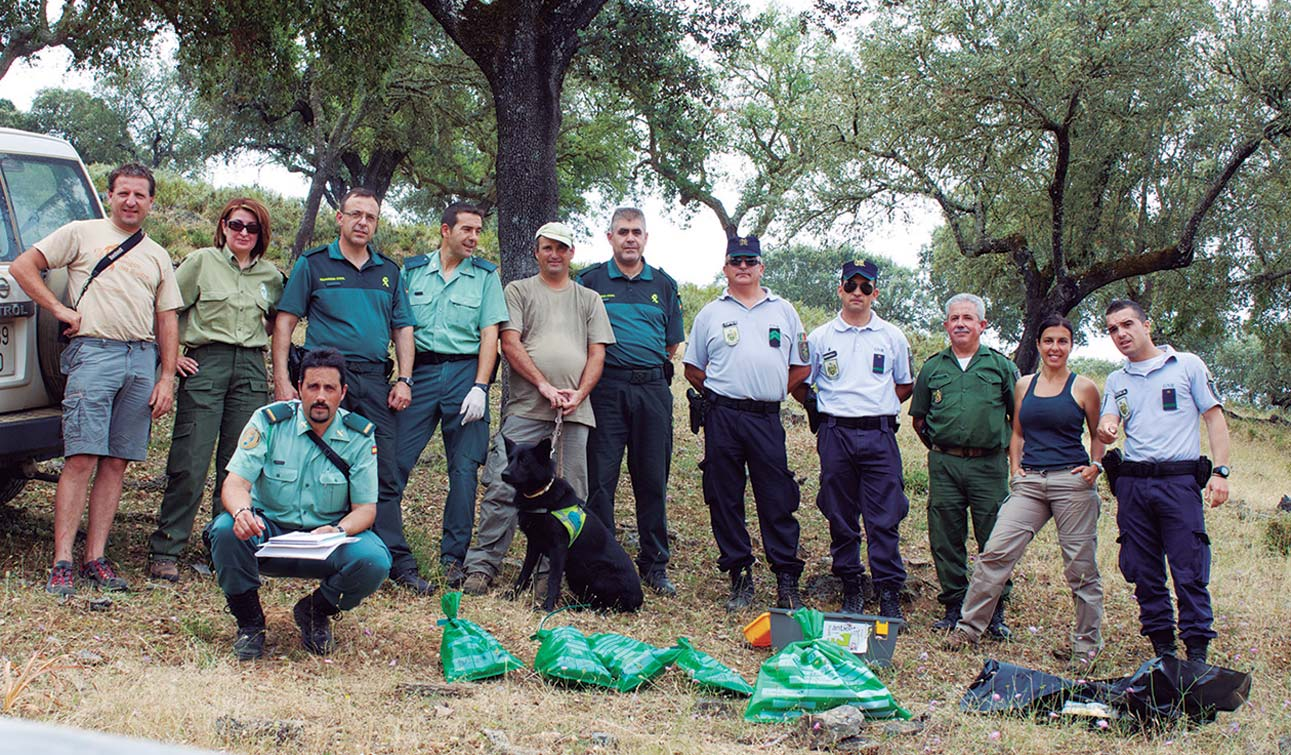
43,185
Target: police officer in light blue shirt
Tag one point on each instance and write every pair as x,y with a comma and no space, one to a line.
747,349
860,374
1160,397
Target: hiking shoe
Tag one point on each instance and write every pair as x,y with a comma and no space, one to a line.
248,645
786,587
958,640
659,582
163,568
890,603
948,622
1197,648
454,574
477,583
1073,661
62,579
1163,643
313,616
103,576
741,590
411,581
997,629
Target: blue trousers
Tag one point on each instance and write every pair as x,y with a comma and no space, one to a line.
1163,519
734,440
437,394
353,571
861,483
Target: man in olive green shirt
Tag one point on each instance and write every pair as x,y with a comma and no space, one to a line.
962,409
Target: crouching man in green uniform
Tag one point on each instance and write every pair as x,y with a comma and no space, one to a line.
282,480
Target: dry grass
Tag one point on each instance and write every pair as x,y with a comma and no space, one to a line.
167,673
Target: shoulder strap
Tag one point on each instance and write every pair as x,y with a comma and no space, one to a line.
278,412
330,453
482,263
108,259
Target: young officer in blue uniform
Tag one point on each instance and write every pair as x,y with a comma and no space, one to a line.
352,297
457,302
1160,396
747,351
280,480
633,401
860,368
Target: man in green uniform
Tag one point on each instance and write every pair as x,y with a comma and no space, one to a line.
304,465
962,410
457,303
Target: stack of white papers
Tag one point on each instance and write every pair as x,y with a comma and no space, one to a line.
309,545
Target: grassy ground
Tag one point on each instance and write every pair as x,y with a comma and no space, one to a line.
157,663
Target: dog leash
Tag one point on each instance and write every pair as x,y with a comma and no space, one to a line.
557,452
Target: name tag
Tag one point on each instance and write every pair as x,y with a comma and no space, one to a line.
1168,400
879,362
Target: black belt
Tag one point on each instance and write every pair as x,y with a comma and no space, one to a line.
431,357
634,374
965,452
881,422
745,404
1157,468
364,366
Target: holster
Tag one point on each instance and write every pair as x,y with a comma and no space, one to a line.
813,411
668,370
1112,467
698,408
1204,469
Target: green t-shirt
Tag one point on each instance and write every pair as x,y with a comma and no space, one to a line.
970,406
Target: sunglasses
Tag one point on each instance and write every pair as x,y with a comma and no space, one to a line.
743,261
237,226
866,287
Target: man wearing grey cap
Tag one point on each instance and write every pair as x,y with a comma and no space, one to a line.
554,339
860,373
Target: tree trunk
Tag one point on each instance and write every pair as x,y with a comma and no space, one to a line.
528,112
313,199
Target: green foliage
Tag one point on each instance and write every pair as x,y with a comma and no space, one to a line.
97,128
694,297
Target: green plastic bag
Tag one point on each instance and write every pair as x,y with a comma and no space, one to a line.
566,656
811,621
631,661
466,650
707,671
814,675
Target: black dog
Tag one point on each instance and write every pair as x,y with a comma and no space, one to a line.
577,544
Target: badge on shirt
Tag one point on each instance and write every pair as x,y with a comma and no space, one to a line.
250,438
1169,402
730,333
773,337
264,292
880,361
830,364
1123,403
936,396
804,351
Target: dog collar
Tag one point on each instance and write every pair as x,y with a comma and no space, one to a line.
545,488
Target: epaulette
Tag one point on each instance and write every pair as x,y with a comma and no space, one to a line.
590,268
279,412
665,274
359,423
315,250
483,264
419,260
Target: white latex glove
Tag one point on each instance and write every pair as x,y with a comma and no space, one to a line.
473,405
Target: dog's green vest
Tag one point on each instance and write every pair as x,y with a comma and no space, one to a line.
573,517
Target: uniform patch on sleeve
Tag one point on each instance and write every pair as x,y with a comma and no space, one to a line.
804,351
374,449
250,438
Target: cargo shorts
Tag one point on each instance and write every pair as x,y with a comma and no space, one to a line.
105,404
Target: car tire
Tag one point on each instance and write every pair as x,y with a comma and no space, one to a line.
11,484
49,349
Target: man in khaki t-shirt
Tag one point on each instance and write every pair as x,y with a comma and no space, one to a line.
122,324
555,341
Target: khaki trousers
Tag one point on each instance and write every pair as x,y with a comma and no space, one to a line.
1035,497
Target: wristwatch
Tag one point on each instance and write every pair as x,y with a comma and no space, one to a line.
1222,471
342,529
405,380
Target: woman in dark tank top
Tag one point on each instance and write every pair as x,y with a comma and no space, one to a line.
1052,477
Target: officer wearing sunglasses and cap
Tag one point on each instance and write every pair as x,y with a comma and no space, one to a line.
747,350
860,375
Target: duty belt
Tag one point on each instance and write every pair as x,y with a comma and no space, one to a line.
431,357
1157,468
965,452
745,404
882,422
634,375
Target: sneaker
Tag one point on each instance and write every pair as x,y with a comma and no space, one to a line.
62,579
958,640
659,582
102,575
248,645
411,581
454,574
741,590
477,583
787,596
948,622
163,568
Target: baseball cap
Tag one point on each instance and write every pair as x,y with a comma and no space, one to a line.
743,246
863,268
556,232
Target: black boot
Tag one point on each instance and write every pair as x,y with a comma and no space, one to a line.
741,589
313,615
248,645
948,622
786,587
890,603
997,629
1197,648
853,596
1163,643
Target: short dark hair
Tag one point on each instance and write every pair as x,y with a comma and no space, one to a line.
133,170
1055,320
358,191
449,217
324,357
1116,305
253,207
